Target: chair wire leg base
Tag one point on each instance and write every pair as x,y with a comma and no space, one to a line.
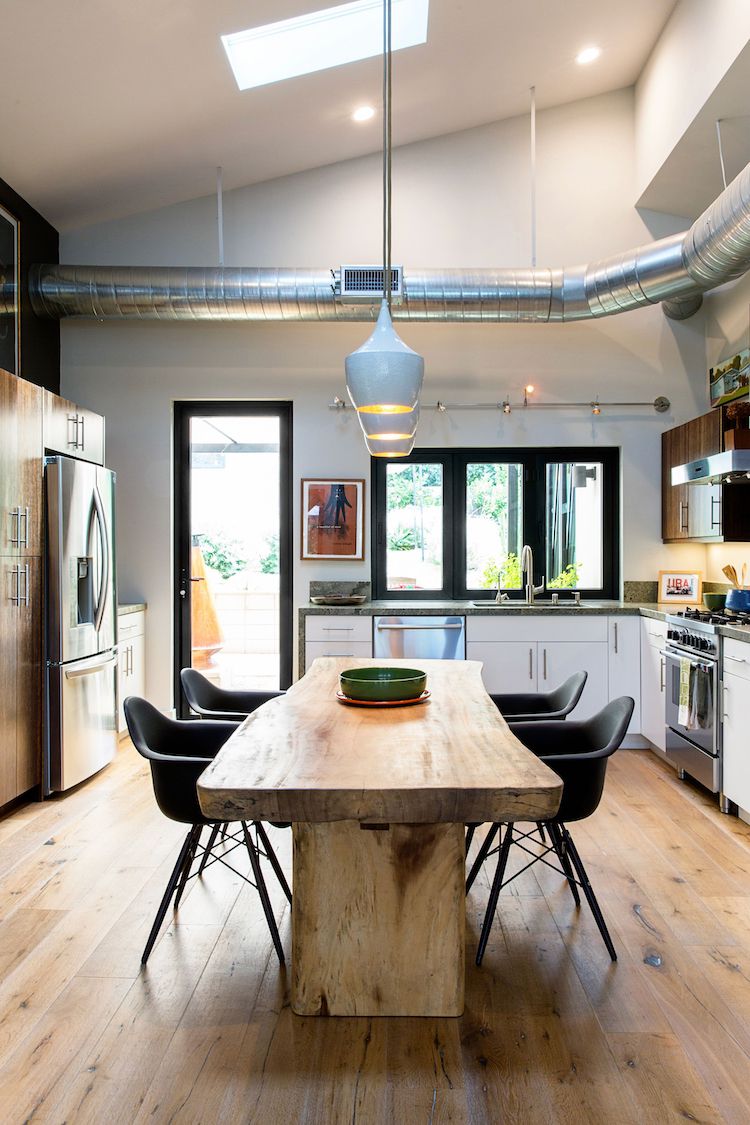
558,843
163,905
272,858
497,883
260,883
197,829
209,847
588,891
481,855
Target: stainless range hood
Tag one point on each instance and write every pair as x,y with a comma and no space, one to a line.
721,468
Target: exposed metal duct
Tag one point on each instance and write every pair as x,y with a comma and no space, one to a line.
674,270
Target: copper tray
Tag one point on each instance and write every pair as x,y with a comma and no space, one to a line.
383,702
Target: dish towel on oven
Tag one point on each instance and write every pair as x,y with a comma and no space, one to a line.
683,715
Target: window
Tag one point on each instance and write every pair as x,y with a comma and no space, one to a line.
452,523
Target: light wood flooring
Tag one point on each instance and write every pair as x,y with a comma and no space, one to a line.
553,1032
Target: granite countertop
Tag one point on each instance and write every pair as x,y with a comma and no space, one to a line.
505,609
130,607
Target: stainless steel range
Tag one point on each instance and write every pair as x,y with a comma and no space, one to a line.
693,681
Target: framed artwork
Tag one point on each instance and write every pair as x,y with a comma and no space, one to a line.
729,378
680,587
333,519
9,335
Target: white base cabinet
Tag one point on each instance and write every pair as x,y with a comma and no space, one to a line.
653,681
337,635
131,668
537,652
736,722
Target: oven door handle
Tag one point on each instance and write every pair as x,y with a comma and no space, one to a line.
669,655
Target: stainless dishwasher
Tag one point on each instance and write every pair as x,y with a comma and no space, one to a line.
419,638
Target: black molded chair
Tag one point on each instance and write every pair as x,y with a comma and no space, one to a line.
212,702
578,753
178,752
536,707
542,706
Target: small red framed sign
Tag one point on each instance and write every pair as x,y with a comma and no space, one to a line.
333,518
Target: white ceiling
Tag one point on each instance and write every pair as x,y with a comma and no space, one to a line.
111,108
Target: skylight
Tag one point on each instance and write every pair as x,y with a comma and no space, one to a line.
320,40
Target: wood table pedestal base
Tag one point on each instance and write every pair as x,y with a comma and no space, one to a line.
378,919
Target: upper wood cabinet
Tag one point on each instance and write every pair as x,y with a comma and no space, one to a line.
709,513
72,430
20,466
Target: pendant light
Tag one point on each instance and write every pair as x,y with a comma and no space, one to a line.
384,376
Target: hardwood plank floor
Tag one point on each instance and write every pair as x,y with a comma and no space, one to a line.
553,1031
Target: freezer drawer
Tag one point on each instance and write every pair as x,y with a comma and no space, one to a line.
426,638
83,719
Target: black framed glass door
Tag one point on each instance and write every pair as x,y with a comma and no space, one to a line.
233,532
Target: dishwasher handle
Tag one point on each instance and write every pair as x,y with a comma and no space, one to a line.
401,628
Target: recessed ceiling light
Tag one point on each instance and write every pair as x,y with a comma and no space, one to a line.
588,55
364,113
320,40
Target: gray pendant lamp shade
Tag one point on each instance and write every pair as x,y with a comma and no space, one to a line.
398,447
384,376
389,427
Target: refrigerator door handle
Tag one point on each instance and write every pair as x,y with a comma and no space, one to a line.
90,669
104,539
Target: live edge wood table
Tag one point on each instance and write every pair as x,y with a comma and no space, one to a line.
378,799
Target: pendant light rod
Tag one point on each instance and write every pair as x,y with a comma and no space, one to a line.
387,140
660,405
533,177
220,212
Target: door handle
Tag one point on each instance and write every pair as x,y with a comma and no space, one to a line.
197,579
103,536
89,669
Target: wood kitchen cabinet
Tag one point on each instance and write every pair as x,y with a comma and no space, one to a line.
72,429
20,675
20,466
708,513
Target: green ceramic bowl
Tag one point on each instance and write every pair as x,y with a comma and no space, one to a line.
714,601
381,684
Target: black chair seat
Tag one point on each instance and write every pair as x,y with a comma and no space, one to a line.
178,753
539,706
212,702
578,752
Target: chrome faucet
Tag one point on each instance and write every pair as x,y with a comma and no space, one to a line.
527,568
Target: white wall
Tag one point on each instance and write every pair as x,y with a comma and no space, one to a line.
700,42
460,200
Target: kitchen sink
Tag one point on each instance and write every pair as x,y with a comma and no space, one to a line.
490,603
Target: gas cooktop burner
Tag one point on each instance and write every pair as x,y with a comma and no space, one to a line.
705,617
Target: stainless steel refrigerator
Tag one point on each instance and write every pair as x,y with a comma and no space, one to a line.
80,622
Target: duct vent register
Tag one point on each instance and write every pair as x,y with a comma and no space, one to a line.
365,283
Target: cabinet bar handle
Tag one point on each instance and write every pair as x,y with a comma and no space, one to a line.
531,664
715,522
544,662
724,714
683,526
615,638
83,431
26,513
736,659
14,596
662,665
15,514
23,599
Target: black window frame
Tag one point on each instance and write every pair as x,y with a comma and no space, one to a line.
534,461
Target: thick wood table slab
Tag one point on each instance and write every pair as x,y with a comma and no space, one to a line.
378,799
